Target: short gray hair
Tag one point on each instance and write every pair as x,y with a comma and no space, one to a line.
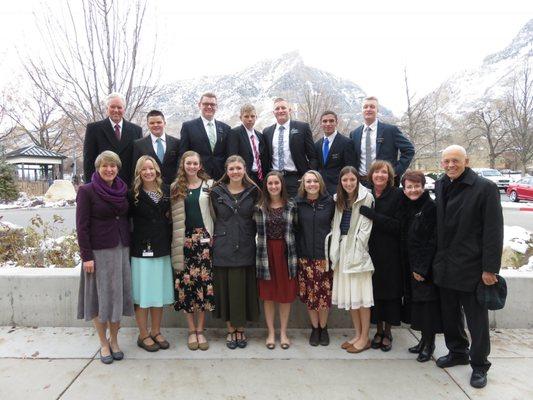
107,156
115,95
455,147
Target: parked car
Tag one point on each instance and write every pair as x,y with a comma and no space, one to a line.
493,175
521,190
430,184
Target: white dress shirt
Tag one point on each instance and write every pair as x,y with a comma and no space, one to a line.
289,163
117,123
373,135
163,142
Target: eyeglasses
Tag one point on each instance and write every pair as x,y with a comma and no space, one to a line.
212,105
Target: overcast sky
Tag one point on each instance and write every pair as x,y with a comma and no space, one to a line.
367,42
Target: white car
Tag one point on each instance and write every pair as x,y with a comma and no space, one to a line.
493,175
430,184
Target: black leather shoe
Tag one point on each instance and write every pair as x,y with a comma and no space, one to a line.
450,360
417,348
376,341
324,336
426,352
314,339
478,379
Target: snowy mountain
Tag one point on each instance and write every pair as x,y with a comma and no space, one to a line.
286,76
468,90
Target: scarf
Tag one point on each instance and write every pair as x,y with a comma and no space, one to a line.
114,194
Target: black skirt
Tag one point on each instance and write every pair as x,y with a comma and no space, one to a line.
389,311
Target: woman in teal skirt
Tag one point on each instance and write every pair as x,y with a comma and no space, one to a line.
150,252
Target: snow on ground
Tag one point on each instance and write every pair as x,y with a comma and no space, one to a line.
35,202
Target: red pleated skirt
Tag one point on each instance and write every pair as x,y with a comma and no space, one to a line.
279,288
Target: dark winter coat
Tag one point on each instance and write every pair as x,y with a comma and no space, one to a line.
313,225
234,237
469,231
384,245
151,224
418,225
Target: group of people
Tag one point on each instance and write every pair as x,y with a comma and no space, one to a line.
224,217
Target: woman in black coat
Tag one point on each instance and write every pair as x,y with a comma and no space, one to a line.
384,249
418,220
152,281
233,199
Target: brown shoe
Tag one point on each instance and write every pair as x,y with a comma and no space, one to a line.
346,345
163,344
202,346
193,345
148,347
354,350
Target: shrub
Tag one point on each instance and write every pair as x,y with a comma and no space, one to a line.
8,189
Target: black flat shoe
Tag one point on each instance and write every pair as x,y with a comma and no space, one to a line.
386,347
324,336
478,379
426,352
314,339
417,348
451,360
106,359
376,341
117,355
231,343
242,341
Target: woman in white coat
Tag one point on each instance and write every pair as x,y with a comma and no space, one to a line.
349,258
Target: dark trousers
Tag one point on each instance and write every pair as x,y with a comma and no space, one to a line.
453,303
292,183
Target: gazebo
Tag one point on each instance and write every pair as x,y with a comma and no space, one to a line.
34,163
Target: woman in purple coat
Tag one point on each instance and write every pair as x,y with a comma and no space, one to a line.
104,239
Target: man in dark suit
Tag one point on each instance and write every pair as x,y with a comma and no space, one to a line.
113,133
207,137
245,141
375,140
290,146
157,144
469,253
334,151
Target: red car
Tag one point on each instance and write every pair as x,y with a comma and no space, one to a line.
521,189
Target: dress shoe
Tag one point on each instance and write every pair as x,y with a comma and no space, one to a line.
478,379
324,336
386,347
106,359
426,352
451,360
417,348
352,349
314,339
376,342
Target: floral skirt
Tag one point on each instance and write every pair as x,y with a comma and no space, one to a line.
314,283
194,285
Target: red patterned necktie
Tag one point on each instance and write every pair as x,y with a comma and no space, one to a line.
117,132
257,159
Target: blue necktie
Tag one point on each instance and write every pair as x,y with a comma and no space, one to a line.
160,151
325,150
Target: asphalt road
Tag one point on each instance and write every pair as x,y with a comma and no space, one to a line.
23,217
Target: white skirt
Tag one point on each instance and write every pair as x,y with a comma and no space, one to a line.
354,290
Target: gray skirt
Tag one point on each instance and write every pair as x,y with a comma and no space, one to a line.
106,293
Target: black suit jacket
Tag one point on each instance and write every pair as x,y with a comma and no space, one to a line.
194,137
240,144
389,142
341,153
100,136
301,145
169,166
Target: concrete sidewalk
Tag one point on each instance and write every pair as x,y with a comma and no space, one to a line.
62,363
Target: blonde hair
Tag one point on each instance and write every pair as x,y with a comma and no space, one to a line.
107,156
137,180
178,190
301,189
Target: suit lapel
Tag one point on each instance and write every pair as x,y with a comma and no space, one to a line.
333,147
244,137
321,151
109,131
379,138
200,126
149,148
291,136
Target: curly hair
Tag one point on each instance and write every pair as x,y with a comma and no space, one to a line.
178,190
137,180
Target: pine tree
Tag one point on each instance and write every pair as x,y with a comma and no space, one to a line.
8,189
